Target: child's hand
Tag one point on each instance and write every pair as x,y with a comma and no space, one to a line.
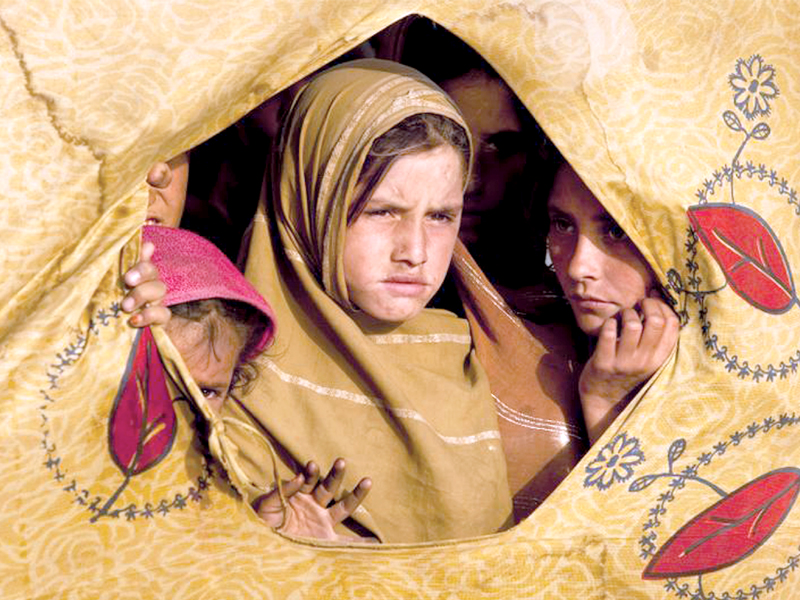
307,499
620,365
147,292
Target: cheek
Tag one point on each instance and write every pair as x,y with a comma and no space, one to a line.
633,278
350,262
440,252
558,253
359,256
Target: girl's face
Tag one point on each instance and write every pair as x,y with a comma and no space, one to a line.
168,182
488,108
598,267
211,362
398,250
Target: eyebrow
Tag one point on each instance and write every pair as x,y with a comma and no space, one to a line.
451,208
606,219
557,212
379,203
221,386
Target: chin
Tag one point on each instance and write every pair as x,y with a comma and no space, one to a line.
394,315
591,324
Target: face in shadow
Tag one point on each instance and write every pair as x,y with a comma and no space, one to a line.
487,104
597,265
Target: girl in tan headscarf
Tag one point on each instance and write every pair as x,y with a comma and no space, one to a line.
356,239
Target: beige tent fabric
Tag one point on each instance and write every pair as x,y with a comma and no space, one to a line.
690,493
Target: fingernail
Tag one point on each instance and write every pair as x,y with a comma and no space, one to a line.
127,304
132,277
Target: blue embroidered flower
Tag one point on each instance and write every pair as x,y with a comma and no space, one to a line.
753,86
614,463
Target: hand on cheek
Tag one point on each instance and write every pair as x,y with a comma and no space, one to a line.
146,293
623,361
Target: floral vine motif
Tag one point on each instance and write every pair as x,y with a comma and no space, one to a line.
614,463
142,425
753,86
742,243
726,532
720,352
97,506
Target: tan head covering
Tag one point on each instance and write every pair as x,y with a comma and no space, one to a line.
406,405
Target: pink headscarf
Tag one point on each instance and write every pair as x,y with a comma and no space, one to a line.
193,268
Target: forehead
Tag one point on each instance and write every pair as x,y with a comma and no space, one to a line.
193,339
432,174
570,195
486,103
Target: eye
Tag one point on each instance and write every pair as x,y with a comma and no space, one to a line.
503,144
377,212
211,393
561,225
615,232
442,217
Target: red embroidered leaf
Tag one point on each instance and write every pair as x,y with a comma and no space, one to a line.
142,425
730,530
749,253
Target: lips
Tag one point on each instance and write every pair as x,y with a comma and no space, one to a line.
589,303
406,285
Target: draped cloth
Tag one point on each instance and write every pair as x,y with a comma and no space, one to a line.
405,404
680,116
534,378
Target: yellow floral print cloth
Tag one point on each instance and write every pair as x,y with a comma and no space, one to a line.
681,116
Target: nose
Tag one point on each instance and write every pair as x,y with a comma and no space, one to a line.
159,176
410,243
586,259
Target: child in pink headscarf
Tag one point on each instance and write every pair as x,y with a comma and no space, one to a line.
220,324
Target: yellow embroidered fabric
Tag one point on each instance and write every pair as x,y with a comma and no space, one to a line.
681,117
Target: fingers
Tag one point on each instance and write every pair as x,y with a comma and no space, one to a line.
268,506
606,350
654,322
291,487
144,301
631,333
664,326
324,493
644,340
146,252
146,293
311,474
144,270
151,315
347,505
